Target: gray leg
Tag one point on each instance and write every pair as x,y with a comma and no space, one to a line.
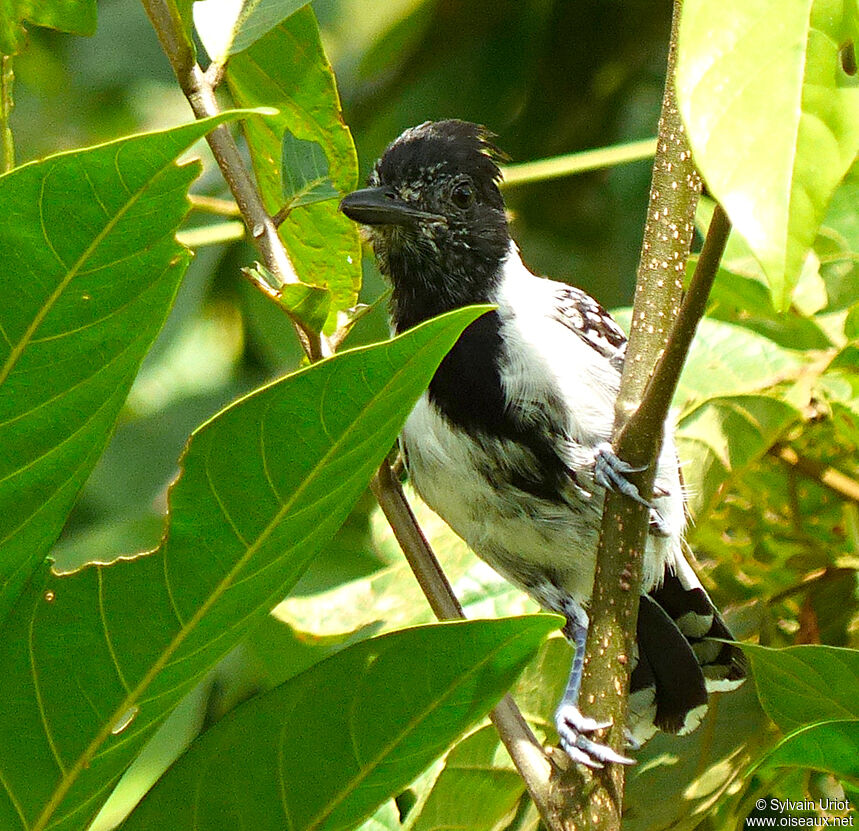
611,472
572,725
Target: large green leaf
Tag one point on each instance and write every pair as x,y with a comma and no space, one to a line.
94,660
75,16
478,789
773,119
90,270
830,746
370,719
287,69
728,360
802,685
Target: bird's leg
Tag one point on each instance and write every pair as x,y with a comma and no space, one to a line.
611,472
572,725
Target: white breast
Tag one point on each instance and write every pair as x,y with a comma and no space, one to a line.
532,541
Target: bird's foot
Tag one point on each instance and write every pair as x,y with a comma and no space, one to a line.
611,472
573,728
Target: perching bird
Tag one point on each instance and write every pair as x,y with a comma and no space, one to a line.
509,445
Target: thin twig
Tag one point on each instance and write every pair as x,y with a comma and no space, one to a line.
569,164
521,743
201,96
821,473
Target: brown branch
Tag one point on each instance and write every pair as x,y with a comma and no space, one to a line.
659,338
200,93
522,745
821,473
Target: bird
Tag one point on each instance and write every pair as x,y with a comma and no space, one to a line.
510,443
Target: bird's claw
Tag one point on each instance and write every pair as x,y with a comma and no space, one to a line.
611,472
572,729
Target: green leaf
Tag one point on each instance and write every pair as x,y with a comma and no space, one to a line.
802,685
734,402
478,789
305,173
370,719
263,486
745,301
831,747
78,17
723,437
288,69
727,360
390,598
228,28
773,119
307,304
85,292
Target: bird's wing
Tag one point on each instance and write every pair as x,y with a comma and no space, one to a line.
580,313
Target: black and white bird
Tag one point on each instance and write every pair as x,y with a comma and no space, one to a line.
510,443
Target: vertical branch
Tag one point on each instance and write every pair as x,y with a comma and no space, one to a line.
668,233
200,93
6,104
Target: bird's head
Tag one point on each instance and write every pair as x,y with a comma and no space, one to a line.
436,218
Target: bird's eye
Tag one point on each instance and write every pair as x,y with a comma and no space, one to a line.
462,195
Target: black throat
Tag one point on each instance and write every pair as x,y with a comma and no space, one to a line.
467,388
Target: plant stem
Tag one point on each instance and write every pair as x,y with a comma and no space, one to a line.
821,473
597,803
572,163
201,96
516,735
6,104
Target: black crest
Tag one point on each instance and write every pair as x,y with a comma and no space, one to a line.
436,149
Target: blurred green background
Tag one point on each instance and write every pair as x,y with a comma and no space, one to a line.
549,77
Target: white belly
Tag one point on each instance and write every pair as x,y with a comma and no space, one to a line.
537,544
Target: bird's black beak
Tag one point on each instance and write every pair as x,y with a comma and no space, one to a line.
381,206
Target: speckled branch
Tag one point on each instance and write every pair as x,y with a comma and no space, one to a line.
595,801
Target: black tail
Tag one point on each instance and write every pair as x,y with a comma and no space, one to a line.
678,663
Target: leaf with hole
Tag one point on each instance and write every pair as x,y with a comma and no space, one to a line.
288,69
